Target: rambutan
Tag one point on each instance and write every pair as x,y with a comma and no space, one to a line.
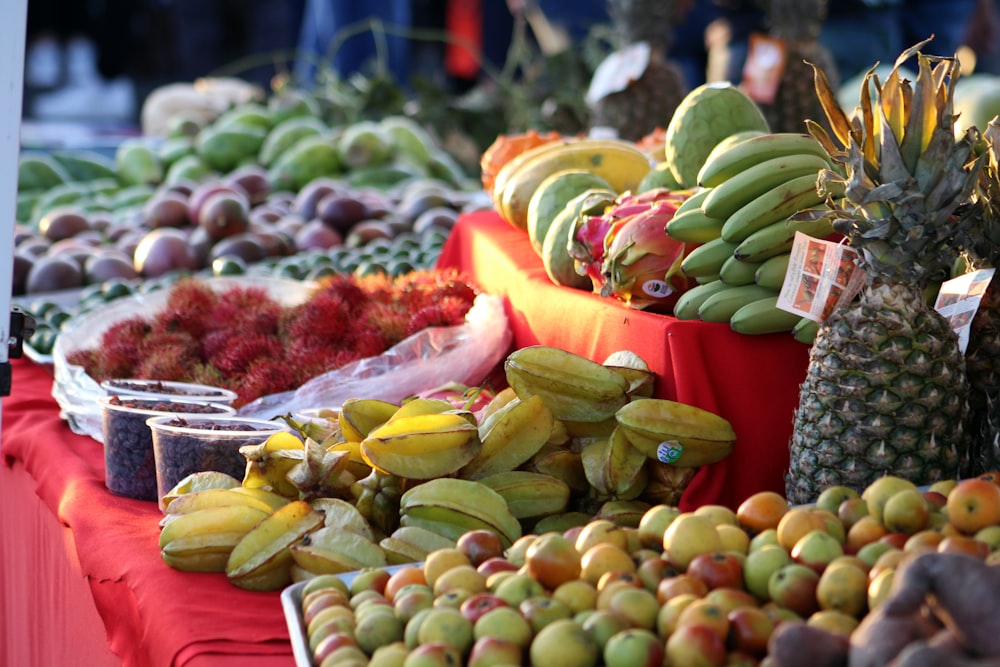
190,302
243,350
165,362
241,304
263,377
89,360
449,311
391,320
326,318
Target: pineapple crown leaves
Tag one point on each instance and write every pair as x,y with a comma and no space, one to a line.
906,174
983,209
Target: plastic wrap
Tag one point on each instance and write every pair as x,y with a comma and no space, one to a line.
465,353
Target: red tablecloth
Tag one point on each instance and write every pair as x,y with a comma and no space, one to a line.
152,614
752,381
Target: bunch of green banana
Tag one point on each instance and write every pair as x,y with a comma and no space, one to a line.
753,196
451,507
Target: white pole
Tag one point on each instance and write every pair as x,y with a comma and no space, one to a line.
13,26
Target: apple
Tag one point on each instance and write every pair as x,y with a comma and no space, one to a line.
964,544
764,537
605,557
865,530
670,613
797,522
518,587
871,552
552,560
579,595
695,646
637,606
602,624
461,577
320,600
345,656
475,606
329,626
720,515
877,494
378,629
843,588
434,654
717,569
541,610
973,504
370,579
832,524
565,643
936,500
759,567
515,552
816,549
454,598
794,586
851,510
943,486
479,545
489,651
731,598
689,535
734,538
408,602
634,647
504,623
879,587
834,621
832,497
654,523
496,564
679,585
332,642
652,571
749,630
391,654
323,582
599,531
708,614
990,535
446,625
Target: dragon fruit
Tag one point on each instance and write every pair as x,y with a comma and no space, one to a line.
641,265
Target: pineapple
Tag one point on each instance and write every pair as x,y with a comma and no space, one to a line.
797,23
982,357
649,101
886,390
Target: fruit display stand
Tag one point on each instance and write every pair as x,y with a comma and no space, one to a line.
752,381
81,572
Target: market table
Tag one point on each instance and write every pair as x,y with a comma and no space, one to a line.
80,570
753,381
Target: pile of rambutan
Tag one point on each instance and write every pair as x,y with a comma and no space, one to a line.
243,339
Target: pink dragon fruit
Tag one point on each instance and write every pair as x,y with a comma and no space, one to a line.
640,263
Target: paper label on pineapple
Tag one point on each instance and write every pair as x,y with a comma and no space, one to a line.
764,65
669,451
958,300
618,71
821,276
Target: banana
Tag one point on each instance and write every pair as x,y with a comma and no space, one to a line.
777,238
805,330
358,416
776,204
422,446
720,306
261,560
677,433
342,515
693,226
737,272
618,162
728,162
208,552
708,258
762,317
514,437
466,497
573,387
734,193
220,519
687,305
199,500
529,494
771,272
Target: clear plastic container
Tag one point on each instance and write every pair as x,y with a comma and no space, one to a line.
168,390
129,463
186,444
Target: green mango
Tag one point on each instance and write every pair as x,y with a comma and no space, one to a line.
137,163
224,147
292,103
287,134
84,165
382,177
444,167
250,114
133,195
308,159
26,202
407,137
39,172
173,149
364,144
60,195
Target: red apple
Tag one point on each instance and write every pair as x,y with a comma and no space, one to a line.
331,643
478,604
634,647
749,630
652,571
793,586
480,545
717,569
496,564
488,651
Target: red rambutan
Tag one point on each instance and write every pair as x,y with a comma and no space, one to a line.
190,302
165,362
449,311
243,350
263,377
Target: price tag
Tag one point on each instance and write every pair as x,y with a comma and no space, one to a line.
821,276
618,71
764,65
959,299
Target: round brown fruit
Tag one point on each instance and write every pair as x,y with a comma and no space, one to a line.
341,211
315,234
62,223
107,265
224,214
202,192
161,251
52,273
253,180
308,197
168,209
